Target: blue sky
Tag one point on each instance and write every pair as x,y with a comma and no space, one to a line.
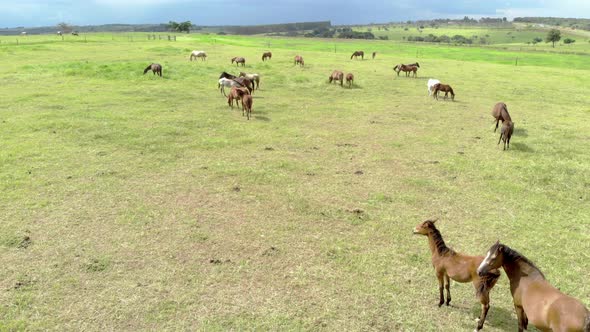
30,13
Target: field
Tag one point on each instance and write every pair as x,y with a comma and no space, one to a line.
133,202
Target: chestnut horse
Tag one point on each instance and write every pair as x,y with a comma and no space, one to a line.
349,79
500,113
240,80
299,60
238,60
236,94
407,68
535,299
337,75
449,264
156,68
506,133
254,78
444,88
247,105
357,54
266,55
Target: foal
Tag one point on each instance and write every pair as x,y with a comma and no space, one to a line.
506,133
535,299
247,105
299,60
500,113
266,55
444,88
350,79
156,68
449,264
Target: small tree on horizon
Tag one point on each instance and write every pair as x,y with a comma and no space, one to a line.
553,36
64,27
180,27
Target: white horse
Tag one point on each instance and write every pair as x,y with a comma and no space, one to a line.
198,54
431,83
254,78
24,33
226,82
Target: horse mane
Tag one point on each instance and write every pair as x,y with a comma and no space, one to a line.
147,68
512,255
439,243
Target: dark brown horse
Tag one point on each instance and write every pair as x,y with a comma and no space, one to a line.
238,60
535,299
247,105
407,68
337,75
254,78
349,79
506,132
449,264
266,55
374,54
443,88
156,68
236,94
299,60
241,80
357,54
500,113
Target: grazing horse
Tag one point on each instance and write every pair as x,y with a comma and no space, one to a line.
236,94
506,133
449,264
337,75
74,33
535,299
444,88
156,68
226,82
198,54
240,80
247,105
299,60
430,85
254,78
238,60
500,113
411,68
357,54
374,54
349,79
266,55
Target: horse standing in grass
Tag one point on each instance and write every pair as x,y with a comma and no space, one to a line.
226,82
236,94
266,55
337,75
241,80
198,54
430,85
444,88
349,79
535,299
247,105
238,60
156,68
356,54
506,133
411,68
500,113
449,264
299,60
254,78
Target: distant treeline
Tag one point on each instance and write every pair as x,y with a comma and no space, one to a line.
270,28
575,23
345,32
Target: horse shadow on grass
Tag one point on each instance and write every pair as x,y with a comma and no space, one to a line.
521,147
497,317
261,118
522,132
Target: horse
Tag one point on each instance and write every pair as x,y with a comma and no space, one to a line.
449,264
74,33
413,68
299,60
444,88
506,133
374,54
59,33
198,54
240,80
430,85
156,68
337,75
238,60
236,94
535,299
349,79
500,113
266,55
24,33
254,78
357,54
226,82
247,105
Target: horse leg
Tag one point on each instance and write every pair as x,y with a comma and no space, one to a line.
484,298
522,319
497,122
501,134
448,288
441,281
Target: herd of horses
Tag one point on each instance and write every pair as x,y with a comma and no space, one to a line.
535,299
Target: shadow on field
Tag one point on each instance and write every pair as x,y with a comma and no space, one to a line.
499,318
261,118
520,132
521,147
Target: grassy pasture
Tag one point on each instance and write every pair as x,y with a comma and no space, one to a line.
130,202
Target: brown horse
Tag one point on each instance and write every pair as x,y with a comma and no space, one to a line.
374,54
247,105
337,75
506,133
254,78
299,60
413,68
350,79
266,55
500,113
241,80
449,264
238,60
236,94
535,299
357,54
444,88
156,68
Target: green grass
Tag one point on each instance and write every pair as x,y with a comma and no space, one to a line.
130,202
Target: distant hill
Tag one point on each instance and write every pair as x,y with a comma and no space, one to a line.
574,23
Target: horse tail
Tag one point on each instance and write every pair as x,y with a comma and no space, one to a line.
487,282
451,91
587,323
147,68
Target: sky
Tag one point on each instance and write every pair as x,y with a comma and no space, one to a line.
33,13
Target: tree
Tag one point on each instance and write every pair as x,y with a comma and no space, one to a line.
64,27
180,27
553,36
569,41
